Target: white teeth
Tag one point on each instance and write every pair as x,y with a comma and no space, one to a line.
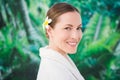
72,43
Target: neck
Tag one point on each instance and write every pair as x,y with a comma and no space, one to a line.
58,50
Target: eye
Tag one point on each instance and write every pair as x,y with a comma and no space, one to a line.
68,28
79,28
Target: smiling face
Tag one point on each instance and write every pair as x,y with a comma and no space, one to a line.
66,34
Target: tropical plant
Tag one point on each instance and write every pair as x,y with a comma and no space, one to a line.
20,40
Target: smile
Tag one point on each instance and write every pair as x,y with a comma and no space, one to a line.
72,43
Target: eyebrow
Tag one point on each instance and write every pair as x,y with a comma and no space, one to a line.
80,25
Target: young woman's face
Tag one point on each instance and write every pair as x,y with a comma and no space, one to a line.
67,33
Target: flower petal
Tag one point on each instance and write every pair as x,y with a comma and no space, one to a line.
49,20
46,18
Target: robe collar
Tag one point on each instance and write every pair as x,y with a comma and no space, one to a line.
46,52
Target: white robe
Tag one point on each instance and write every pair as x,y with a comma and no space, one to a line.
54,66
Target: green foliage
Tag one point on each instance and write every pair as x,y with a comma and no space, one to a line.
18,58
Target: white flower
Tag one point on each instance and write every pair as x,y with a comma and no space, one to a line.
46,22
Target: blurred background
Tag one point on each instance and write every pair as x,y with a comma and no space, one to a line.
21,36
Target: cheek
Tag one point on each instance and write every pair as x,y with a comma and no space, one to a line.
61,37
64,35
80,36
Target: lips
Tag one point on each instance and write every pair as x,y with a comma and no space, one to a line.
72,43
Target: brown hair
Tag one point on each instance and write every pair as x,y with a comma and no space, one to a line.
58,9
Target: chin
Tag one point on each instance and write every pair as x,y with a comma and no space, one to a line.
71,51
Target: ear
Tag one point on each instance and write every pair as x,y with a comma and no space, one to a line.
49,30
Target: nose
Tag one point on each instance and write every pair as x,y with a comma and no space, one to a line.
76,35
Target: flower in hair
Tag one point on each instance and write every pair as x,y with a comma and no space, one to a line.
46,22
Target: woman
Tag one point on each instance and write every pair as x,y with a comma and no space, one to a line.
63,29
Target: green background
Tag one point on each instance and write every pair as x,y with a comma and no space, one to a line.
21,36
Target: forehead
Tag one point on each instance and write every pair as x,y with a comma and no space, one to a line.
70,18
